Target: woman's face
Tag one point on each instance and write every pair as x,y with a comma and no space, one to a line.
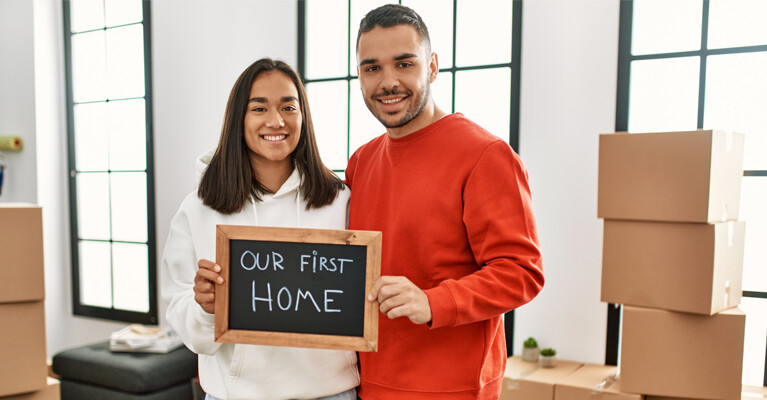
272,119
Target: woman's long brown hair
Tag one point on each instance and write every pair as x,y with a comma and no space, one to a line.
229,181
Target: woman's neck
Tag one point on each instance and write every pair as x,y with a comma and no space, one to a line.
272,175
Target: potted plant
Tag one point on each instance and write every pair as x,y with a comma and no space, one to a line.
530,350
548,357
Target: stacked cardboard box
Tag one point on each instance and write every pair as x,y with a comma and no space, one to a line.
567,380
23,368
673,254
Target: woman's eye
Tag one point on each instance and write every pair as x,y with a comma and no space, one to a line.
258,109
290,108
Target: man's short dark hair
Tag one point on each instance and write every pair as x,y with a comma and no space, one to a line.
390,15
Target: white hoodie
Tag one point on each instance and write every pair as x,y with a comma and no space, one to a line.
240,371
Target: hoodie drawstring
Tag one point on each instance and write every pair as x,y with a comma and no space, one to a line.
298,210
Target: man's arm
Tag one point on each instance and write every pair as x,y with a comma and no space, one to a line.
502,232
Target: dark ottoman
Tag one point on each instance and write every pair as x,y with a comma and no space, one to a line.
95,372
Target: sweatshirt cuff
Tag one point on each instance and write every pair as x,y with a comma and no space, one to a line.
203,317
442,306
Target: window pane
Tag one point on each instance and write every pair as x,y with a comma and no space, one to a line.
95,274
125,61
326,38
91,139
128,200
328,102
85,15
661,26
358,10
127,135
734,23
439,21
736,100
755,342
442,91
483,96
121,12
131,280
364,126
89,71
664,95
93,206
483,32
752,210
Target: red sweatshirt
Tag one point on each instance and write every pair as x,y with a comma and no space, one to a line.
454,207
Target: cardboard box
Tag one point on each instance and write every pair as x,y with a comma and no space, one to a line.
525,380
690,267
676,176
21,252
22,348
593,382
667,353
51,392
747,393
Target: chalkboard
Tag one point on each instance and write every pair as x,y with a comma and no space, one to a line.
297,287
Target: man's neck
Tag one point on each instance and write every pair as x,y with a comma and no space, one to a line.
429,115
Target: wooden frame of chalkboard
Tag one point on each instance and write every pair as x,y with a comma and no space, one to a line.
297,287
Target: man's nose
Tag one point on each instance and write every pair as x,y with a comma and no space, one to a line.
390,79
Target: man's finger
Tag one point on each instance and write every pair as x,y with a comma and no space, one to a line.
380,283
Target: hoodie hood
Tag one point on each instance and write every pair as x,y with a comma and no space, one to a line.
291,187
292,184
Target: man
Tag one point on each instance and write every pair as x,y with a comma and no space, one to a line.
460,245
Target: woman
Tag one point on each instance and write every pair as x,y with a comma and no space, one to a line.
266,171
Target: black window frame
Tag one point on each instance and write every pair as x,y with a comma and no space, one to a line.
515,70
151,316
622,121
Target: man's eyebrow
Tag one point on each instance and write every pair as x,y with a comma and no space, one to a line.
405,56
400,57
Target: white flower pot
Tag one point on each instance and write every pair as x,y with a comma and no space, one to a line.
530,354
548,361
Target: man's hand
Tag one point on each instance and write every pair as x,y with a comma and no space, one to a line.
398,297
205,285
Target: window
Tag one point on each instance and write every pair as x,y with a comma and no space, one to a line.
471,68
702,64
110,159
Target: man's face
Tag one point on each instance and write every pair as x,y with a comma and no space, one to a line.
395,72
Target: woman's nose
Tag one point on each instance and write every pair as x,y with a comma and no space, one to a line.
275,120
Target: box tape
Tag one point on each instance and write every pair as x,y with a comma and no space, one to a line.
515,379
600,387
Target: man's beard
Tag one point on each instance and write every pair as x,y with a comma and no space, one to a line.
417,105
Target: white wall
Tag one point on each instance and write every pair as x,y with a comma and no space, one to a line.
17,99
569,63
199,50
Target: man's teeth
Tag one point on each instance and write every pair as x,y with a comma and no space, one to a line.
274,138
392,101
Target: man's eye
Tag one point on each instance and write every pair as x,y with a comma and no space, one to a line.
405,64
371,68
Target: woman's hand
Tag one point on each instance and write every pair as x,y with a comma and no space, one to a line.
205,285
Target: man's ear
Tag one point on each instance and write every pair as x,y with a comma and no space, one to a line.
433,67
